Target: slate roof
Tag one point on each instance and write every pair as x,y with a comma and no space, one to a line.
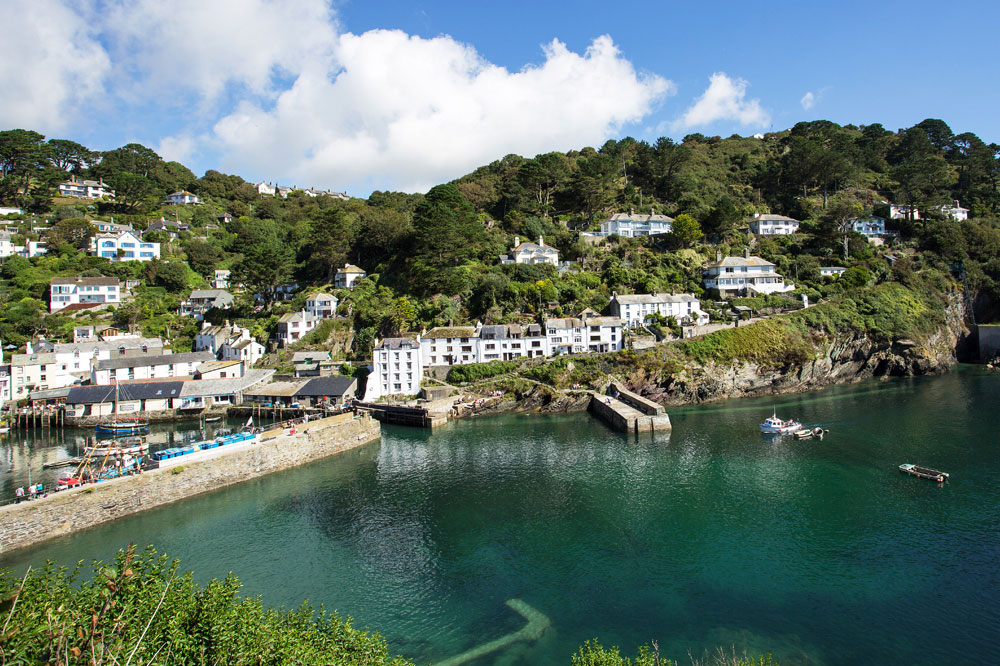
450,332
350,268
310,356
202,387
87,281
739,261
328,386
108,345
398,343
90,395
652,299
769,217
162,359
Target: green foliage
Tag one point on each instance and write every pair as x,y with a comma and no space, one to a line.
144,609
177,470
473,372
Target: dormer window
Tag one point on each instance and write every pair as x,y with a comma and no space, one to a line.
145,349
121,351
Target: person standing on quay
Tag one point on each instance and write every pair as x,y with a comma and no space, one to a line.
19,495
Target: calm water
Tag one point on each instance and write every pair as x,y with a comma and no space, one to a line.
818,552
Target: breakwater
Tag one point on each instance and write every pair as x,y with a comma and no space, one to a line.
71,510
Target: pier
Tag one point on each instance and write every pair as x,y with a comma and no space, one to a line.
419,417
626,411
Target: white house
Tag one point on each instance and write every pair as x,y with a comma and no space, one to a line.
870,227
347,276
773,225
124,246
450,345
313,192
10,210
531,253
265,189
831,271
85,189
229,343
66,291
148,367
221,279
902,212
566,335
294,326
202,300
396,368
31,249
507,342
634,309
182,198
6,245
631,225
604,334
735,276
955,212
321,305
110,227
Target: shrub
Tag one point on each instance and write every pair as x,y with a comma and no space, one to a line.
474,372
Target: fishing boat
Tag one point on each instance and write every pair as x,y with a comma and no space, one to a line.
924,472
212,419
118,427
114,447
772,425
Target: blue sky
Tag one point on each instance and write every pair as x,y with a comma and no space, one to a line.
359,96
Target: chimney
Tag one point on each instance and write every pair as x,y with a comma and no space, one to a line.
540,240
631,212
746,253
517,241
718,256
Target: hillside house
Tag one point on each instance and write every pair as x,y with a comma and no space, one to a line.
294,326
347,276
123,246
85,189
171,228
772,225
202,300
148,367
746,275
831,271
531,253
67,291
632,225
322,305
183,198
635,309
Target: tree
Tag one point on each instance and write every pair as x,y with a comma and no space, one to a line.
844,208
75,231
22,155
202,257
722,218
69,155
171,275
685,230
447,234
332,233
267,259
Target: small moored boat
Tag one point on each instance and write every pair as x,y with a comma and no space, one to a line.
772,425
806,433
924,472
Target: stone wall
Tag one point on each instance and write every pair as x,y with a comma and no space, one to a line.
71,510
989,342
623,418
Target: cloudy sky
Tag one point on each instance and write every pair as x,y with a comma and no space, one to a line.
394,95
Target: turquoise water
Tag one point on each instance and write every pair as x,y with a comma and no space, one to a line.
818,552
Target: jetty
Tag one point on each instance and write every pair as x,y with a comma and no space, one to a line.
626,411
419,417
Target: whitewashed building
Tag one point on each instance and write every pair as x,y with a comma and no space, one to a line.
321,305
124,246
746,275
604,334
6,245
294,326
396,368
85,189
202,300
220,280
148,367
955,212
229,343
347,276
506,342
831,271
531,253
634,309
632,225
773,225
870,227
66,291
450,345
183,198
903,212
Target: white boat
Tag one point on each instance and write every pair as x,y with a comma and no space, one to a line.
772,425
114,448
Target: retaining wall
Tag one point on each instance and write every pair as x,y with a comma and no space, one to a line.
623,418
71,510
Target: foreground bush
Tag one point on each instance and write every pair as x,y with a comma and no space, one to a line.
143,610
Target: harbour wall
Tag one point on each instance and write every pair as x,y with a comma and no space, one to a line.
68,511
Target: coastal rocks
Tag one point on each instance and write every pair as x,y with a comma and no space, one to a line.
841,360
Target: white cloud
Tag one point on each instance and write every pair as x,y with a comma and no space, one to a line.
807,101
724,99
177,148
52,64
411,112
166,48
